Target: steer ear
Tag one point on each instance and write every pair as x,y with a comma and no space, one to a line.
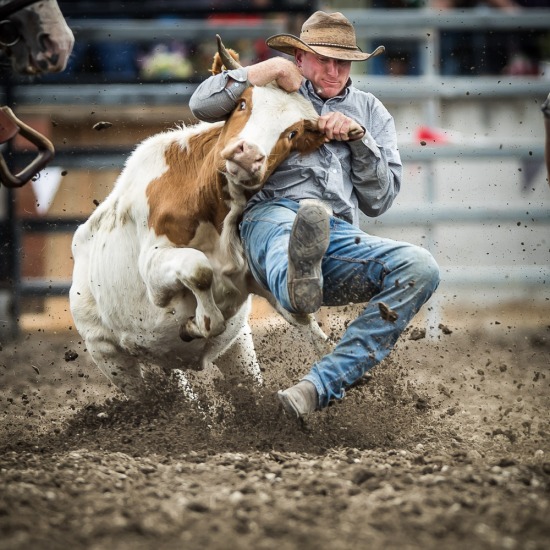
311,139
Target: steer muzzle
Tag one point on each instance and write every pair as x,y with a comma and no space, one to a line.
245,163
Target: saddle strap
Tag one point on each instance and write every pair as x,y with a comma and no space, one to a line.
10,126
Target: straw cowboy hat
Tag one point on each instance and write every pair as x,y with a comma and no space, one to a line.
326,34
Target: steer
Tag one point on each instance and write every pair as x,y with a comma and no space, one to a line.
160,278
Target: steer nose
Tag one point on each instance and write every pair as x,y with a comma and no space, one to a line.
247,156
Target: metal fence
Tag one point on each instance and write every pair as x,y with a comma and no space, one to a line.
429,90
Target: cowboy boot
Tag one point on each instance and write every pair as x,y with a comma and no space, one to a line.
309,240
299,400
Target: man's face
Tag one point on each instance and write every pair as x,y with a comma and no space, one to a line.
328,76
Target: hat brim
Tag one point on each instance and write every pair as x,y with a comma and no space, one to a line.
287,43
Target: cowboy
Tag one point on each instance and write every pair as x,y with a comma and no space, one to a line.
301,232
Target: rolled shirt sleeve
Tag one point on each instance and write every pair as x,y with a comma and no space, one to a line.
216,97
375,175
376,168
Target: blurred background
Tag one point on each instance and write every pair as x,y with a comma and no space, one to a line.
464,81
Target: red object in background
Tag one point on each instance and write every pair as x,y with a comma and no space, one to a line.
432,135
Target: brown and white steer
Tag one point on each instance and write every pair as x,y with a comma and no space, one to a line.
160,277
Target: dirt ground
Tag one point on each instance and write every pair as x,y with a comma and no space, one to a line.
446,445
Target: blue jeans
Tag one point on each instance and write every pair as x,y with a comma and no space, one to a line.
357,268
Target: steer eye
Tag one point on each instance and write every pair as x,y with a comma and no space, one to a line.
242,105
292,134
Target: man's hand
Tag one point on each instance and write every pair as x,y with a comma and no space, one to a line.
283,71
337,126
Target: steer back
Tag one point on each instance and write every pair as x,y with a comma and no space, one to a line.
159,272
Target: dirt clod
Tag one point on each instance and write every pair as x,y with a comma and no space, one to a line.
417,333
386,313
71,355
102,125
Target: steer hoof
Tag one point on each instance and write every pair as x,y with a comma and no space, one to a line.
185,336
190,330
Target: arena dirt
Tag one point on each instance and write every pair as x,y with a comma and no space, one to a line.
446,445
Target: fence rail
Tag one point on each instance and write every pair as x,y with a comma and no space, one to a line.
377,22
401,88
370,24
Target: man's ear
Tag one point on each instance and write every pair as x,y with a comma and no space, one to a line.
298,56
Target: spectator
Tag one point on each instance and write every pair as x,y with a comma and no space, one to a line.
485,53
402,57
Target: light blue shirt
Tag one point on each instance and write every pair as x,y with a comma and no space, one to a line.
348,176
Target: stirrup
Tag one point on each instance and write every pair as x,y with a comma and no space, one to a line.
10,126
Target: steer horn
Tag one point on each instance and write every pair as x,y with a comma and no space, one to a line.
229,57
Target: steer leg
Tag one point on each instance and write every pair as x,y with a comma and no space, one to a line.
117,365
235,347
307,326
121,369
207,413
241,352
168,271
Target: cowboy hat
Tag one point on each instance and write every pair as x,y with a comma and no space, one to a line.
327,34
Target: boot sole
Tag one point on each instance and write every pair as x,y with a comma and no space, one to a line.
309,240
